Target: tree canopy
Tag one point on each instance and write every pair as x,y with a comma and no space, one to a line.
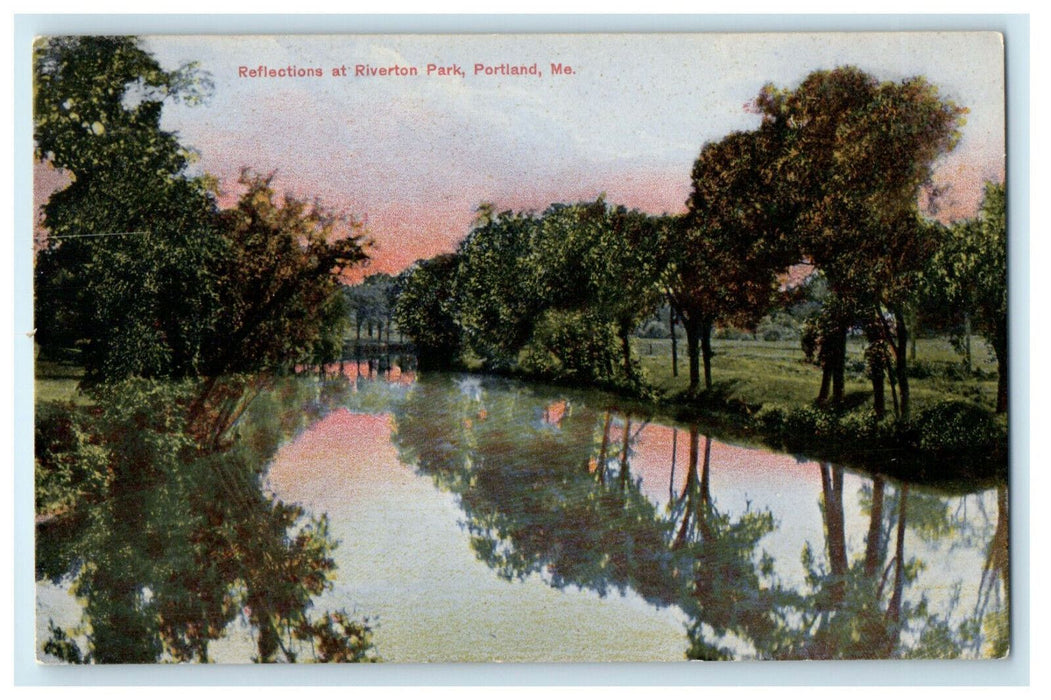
141,270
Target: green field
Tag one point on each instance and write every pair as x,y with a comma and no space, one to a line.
759,372
57,382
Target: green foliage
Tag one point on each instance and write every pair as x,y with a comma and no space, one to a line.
140,269
855,154
969,275
125,271
280,282
572,347
498,298
725,254
426,310
956,426
70,466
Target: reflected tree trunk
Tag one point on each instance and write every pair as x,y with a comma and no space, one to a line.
705,506
894,607
997,559
600,468
832,495
674,455
690,489
624,452
874,540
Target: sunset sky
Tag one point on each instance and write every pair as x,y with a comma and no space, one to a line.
413,156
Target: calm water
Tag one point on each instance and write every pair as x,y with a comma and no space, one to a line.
481,519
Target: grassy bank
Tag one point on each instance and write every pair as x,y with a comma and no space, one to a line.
764,390
759,373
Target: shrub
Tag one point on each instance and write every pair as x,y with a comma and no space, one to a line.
956,426
572,346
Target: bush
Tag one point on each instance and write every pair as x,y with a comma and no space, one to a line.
731,333
770,421
956,426
572,346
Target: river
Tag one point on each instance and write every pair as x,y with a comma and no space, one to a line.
485,519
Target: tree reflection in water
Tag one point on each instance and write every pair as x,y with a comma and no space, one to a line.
546,487
180,543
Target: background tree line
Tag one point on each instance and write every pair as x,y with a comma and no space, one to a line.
837,176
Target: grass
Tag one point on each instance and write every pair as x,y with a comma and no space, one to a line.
758,372
57,382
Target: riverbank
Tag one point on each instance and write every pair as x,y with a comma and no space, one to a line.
763,393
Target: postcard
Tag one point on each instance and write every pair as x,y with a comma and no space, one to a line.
520,348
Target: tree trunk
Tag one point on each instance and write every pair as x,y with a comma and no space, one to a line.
625,348
706,352
901,362
1000,350
674,342
693,352
879,398
839,366
967,342
826,385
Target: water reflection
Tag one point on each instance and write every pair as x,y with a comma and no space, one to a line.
546,484
757,554
181,546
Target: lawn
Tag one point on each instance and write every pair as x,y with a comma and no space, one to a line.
775,372
57,381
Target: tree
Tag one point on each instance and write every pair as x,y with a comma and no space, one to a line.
140,268
601,264
855,155
971,270
498,301
279,279
724,257
125,269
426,310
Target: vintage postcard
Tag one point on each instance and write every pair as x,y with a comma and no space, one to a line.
520,348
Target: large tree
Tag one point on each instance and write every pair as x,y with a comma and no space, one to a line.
855,155
604,264
140,268
124,271
498,302
279,279
426,310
